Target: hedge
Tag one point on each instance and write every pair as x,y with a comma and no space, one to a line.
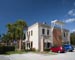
47,49
4,49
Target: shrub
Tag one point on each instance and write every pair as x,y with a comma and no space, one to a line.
47,49
31,49
4,49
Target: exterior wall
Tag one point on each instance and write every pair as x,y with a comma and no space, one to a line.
66,38
44,37
46,28
34,38
57,37
60,38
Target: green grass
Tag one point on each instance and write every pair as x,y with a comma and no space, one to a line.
22,52
15,52
49,53
52,53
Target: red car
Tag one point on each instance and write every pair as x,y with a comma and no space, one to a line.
58,49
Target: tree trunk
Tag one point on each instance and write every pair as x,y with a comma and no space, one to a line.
11,42
20,44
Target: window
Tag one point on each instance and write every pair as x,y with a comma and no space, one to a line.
31,44
43,31
31,32
64,34
28,45
47,45
47,32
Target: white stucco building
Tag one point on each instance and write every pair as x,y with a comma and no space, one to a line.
38,36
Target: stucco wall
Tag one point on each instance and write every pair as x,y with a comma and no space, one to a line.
34,37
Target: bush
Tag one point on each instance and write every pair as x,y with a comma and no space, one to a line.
31,49
47,49
15,52
4,49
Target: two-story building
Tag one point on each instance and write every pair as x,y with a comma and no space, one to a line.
38,36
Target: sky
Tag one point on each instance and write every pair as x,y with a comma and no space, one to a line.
33,11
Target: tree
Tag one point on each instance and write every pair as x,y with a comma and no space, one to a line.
16,31
10,33
5,38
72,38
20,27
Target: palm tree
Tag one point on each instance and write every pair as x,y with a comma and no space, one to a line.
16,32
10,32
20,27
5,39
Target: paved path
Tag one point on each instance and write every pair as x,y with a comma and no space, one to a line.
34,56
3,57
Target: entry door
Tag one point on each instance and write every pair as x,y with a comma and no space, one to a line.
47,45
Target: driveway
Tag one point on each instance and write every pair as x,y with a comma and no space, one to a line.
34,56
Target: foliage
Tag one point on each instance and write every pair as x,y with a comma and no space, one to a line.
15,52
15,31
4,49
29,50
72,38
47,49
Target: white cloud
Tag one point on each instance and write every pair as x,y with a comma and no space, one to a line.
70,20
71,12
73,30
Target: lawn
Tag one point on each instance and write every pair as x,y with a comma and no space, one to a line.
15,52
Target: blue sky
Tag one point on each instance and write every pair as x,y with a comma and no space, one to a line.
37,11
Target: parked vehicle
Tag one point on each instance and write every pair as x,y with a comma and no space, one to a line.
68,47
58,49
